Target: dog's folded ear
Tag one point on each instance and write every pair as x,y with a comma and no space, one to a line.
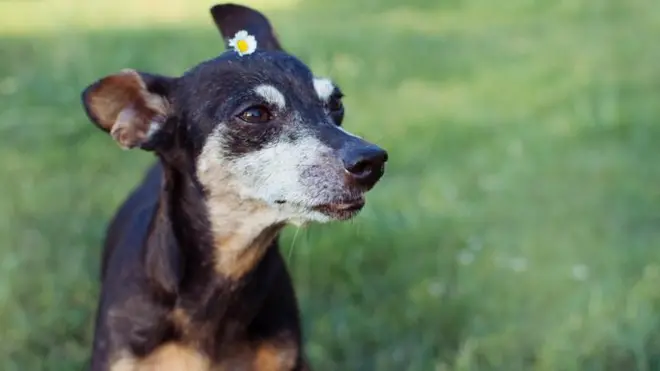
132,106
231,18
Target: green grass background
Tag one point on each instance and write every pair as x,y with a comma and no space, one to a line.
517,226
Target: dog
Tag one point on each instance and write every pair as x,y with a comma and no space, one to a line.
192,277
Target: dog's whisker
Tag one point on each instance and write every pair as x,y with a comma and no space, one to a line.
293,242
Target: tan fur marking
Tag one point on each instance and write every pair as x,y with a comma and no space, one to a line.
270,357
168,357
123,363
238,253
242,229
181,321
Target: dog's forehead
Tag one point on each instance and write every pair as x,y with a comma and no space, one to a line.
232,73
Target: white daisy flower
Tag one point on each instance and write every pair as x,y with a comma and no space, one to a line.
243,43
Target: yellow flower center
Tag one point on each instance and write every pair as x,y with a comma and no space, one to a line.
242,46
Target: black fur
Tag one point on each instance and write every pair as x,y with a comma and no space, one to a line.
159,281
142,286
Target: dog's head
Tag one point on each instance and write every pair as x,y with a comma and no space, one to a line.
261,128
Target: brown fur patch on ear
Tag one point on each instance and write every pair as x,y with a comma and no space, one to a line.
122,105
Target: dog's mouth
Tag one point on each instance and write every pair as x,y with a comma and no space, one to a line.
341,210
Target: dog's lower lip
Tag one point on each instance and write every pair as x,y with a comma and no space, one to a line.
341,206
342,209
347,206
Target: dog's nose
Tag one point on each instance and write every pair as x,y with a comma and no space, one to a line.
365,164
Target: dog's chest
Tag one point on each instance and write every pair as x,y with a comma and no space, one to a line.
169,357
179,357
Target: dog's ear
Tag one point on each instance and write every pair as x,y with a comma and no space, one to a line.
231,18
132,106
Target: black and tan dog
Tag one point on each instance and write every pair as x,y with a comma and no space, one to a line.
192,275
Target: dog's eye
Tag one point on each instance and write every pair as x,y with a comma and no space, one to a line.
335,104
256,115
335,107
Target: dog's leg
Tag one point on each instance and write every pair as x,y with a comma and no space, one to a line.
277,326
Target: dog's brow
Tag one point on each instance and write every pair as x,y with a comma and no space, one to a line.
271,95
348,132
324,88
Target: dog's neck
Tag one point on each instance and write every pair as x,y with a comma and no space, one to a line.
206,250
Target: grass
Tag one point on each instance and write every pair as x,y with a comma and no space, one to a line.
517,227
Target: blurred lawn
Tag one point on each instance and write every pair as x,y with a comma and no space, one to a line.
517,227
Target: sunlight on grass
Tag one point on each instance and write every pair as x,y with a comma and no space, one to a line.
45,16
